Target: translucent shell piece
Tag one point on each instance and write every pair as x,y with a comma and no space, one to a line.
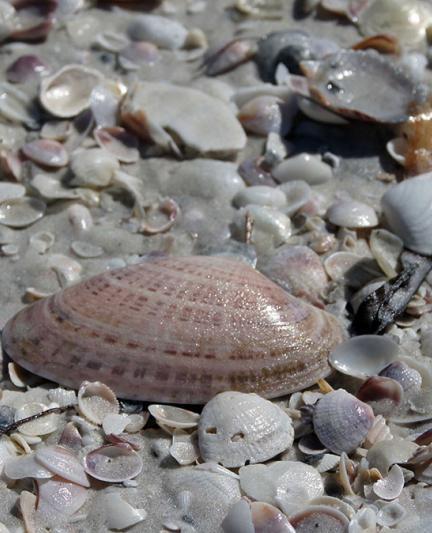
113,463
236,428
174,416
63,463
203,305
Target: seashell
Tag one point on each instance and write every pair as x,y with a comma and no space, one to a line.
58,499
113,464
184,447
245,297
71,437
21,445
381,393
230,56
62,397
17,375
364,521
118,142
352,214
409,378
260,195
111,41
104,102
17,107
319,113
56,130
391,486
364,356
153,110
299,271
386,249
406,20
386,453
114,423
11,165
119,513
26,68
298,194
67,270
27,507
42,241
9,191
67,92
21,212
236,428
46,153
80,218
42,426
138,54
161,31
351,269
394,92
94,167
286,484
341,421
310,445
336,503
63,463
303,167
86,250
397,149
406,207
136,422
255,517
263,115
328,518
26,466
391,514
52,189
174,417
96,401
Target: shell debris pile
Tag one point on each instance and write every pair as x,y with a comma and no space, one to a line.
216,257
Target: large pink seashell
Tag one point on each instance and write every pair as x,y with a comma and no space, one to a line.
177,329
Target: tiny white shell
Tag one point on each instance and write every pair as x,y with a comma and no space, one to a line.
26,466
303,167
21,212
42,426
396,148
96,400
235,427
93,167
174,417
80,217
260,195
184,447
113,463
16,375
391,486
263,115
63,463
42,241
136,422
120,514
364,356
114,423
67,269
352,214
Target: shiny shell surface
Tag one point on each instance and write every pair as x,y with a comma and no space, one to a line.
183,330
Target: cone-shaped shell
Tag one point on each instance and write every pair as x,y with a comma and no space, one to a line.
176,330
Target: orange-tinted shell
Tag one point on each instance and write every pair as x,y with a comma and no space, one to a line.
177,329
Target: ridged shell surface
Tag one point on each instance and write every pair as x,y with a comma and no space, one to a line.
177,329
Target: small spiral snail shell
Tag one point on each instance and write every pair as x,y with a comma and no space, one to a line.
177,329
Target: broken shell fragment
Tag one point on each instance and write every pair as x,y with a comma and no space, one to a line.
364,356
391,486
184,447
63,463
386,248
236,428
113,463
46,152
114,423
93,167
174,417
96,401
26,466
230,56
384,454
42,241
383,394
21,212
176,119
60,498
287,351
260,195
341,421
25,68
67,92
119,143
119,513
352,214
255,517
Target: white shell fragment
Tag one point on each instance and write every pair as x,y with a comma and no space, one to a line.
21,212
364,356
161,31
386,249
184,447
177,119
114,423
174,417
119,143
407,207
352,214
96,401
260,195
328,518
384,454
391,486
94,167
255,517
113,463
390,514
42,241
59,498
26,466
304,167
41,426
68,91
63,463
341,421
119,513
286,484
235,427
27,506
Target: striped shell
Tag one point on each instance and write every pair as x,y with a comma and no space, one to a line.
177,329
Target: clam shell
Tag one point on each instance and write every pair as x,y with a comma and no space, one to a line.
46,152
63,463
304,167
113,464
341,421
383,394
42,426
236,428
96,401
174,417
352,214
203,305
21,212
26,68
184,447
67,92
328,518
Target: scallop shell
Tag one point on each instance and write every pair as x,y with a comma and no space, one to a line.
113,463
225,327
67,92
341,421
236,428
407,207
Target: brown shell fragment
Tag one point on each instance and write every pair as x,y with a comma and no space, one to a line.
176,329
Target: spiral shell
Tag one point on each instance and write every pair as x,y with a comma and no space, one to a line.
177,329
